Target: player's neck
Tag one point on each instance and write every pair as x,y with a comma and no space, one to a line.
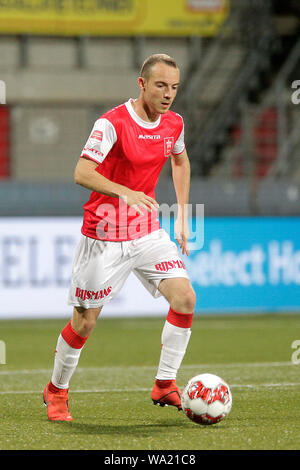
143,111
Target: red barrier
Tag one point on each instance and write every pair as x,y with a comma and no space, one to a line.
4,142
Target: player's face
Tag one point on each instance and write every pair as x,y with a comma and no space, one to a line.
160,88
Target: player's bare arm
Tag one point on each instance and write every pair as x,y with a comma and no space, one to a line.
181,172
86,176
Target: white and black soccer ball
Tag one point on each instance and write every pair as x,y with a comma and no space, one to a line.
206,399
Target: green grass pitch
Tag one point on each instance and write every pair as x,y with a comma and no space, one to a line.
110,390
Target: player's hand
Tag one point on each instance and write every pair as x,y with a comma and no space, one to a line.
182,233
140,201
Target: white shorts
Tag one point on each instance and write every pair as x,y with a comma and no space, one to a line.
101,267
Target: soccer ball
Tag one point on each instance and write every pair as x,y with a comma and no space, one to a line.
206,399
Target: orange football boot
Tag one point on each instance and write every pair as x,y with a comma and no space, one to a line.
166,392
57,404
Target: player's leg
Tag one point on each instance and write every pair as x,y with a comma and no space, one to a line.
70,344
99,272
177,328
159,267
84,320
175,338
67,353
180,294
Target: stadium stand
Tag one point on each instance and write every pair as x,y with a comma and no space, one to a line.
241,128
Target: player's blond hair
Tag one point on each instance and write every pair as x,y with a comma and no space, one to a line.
154,59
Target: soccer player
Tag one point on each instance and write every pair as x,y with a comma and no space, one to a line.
121,233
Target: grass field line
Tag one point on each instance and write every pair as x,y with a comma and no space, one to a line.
140,389
134,368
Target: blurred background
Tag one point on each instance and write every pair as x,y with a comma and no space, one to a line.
63,64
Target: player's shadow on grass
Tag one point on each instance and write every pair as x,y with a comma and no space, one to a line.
141,430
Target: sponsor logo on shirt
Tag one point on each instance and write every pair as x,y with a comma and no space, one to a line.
93,150
84,294
97,135
167,265
168,145
152,137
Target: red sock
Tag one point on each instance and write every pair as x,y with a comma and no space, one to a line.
72,337
183,320
163,383
54,389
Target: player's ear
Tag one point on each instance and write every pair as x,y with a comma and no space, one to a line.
141,83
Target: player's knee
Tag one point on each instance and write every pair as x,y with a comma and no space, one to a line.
84,320
190,300
185,300
87,326
89,322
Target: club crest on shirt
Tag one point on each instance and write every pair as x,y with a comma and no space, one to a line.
168,145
